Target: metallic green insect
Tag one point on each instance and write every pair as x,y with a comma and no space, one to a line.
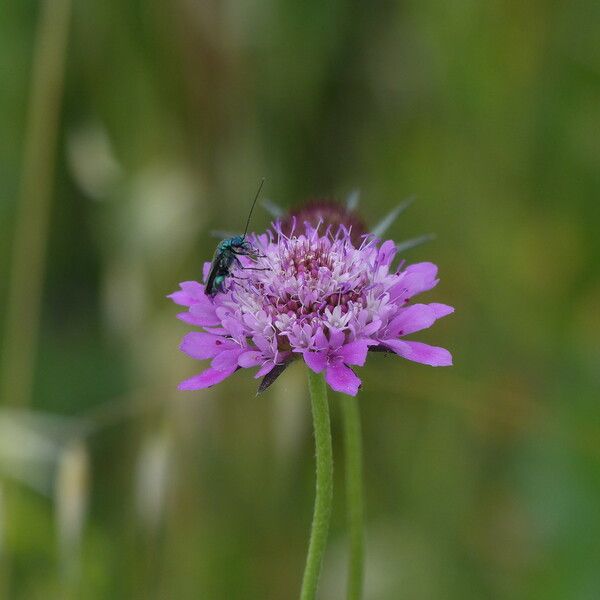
227,253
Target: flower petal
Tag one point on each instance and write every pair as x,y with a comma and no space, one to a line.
181,298
321,342
250,358
234,327
371,328
265,369
421,353
411,319
386,254
354,353
190,293
228,359
268,346
190,319
202,345
414,280
206,379
427,269
342,379
204,313
441,310
336,338
316,361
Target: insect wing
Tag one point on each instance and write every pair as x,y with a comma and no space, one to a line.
210,284
221,266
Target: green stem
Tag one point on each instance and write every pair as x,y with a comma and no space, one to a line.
354,495
324,487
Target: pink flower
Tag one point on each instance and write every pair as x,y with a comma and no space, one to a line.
333,355
318,297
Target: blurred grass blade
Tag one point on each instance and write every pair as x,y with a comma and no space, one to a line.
71,498
2,527
27,452
33,209
152,479
4,585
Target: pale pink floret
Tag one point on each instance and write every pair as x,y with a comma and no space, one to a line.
317,297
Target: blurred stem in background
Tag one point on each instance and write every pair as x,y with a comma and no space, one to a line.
33,209
324,485
354,494
71,491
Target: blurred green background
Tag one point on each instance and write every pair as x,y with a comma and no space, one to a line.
129,130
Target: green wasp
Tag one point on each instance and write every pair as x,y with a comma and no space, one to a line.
226,255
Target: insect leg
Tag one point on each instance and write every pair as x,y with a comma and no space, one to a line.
252,255
233,251
241,266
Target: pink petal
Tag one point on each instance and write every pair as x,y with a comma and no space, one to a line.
250,358
263,343
414,318
266,368
316,361
233,327
386,253
371,328
354,353
342,379
321,341
190,293
180,298
215,330
202,345
226,360
414,280
398,346
441,310
205,379
421,353
427,269
262,240
204,313
336,338
190,319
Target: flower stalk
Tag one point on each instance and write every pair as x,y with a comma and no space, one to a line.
354,495
324,485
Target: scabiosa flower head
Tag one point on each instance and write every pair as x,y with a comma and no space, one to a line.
318,297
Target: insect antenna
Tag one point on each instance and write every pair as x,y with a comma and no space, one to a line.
262,181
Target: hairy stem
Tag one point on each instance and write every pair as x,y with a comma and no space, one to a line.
324,486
